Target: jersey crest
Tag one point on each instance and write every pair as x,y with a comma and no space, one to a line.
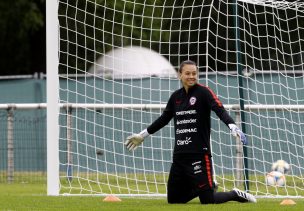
192,100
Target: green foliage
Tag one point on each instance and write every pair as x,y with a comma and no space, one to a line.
93,29
213,34
20,20
269,39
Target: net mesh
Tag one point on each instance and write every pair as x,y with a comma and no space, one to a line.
249,52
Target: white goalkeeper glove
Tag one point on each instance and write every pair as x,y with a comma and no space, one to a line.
237,132
135,140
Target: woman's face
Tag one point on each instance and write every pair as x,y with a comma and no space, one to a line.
188,75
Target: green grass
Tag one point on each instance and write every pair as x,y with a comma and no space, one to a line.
29,196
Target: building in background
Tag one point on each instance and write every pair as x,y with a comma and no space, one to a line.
132,62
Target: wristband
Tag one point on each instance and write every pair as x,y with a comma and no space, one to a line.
144,133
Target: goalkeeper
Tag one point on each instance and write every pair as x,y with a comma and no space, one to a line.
191,171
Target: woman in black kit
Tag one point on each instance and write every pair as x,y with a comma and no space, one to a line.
191,171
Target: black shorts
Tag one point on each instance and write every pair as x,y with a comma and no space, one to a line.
188,177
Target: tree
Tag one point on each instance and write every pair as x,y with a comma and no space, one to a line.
22,37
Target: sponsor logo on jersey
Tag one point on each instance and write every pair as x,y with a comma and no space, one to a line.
192,100
184,142
185,121
197,162
180,113
187,130
197,168
202,185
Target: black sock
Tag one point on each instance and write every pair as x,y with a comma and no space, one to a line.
210,197
222,197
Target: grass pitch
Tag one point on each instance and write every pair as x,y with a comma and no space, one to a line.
33,197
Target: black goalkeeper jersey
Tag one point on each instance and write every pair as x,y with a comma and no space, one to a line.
192,120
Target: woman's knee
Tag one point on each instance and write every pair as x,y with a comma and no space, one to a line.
206,197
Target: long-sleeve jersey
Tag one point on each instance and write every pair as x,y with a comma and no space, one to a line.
192,119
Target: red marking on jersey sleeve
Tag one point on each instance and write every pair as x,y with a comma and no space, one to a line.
218,102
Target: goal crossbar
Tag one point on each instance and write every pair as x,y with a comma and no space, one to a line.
28,106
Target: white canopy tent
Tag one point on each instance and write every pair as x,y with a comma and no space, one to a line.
132,62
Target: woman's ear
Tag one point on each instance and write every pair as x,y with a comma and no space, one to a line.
179,75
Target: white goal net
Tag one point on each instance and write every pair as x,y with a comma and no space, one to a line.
117,69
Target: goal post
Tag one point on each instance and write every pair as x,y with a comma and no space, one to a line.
52,38
117,63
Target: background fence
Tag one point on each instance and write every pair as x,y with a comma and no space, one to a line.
22,145
23,140
23,132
